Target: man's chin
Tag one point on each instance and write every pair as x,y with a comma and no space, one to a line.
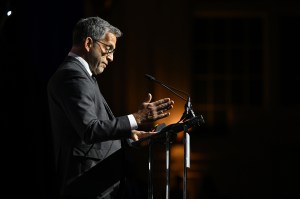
100,70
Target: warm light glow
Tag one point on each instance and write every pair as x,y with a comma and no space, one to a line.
179,137
177,156
176,114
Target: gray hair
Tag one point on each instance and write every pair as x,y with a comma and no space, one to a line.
93,27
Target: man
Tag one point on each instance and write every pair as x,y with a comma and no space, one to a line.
85,131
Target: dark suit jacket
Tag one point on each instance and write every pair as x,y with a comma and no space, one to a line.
84,129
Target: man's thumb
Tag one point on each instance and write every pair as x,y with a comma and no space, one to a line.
148,99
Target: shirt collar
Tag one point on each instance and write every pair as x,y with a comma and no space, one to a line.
82,61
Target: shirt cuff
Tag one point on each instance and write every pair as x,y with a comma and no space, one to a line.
133,122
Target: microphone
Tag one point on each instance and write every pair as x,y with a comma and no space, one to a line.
167,87
188,105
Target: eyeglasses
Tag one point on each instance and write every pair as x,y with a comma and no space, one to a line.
109,48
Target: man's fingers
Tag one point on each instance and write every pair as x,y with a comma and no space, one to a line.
157,116
162,101
136,135
146,134
163,115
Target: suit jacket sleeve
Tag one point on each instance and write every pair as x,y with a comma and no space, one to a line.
80,98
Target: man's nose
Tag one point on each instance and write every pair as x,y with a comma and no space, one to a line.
110,57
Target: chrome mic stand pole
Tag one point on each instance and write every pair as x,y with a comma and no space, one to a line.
167,165
186,140
150,185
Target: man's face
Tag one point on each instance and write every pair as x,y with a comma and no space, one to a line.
102,53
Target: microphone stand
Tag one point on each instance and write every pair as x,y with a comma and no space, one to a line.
186,142
168,148
150,185
187,115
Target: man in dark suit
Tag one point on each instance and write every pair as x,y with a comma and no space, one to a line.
85,131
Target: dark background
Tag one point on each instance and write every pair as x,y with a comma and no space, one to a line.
249,146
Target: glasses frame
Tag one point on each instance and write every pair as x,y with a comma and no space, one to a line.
111,50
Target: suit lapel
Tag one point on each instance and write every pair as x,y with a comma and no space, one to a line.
70,58
107,107
111,115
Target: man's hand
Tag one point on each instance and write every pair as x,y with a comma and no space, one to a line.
152,111
136,135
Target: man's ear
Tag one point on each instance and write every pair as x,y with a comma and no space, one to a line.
88,43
